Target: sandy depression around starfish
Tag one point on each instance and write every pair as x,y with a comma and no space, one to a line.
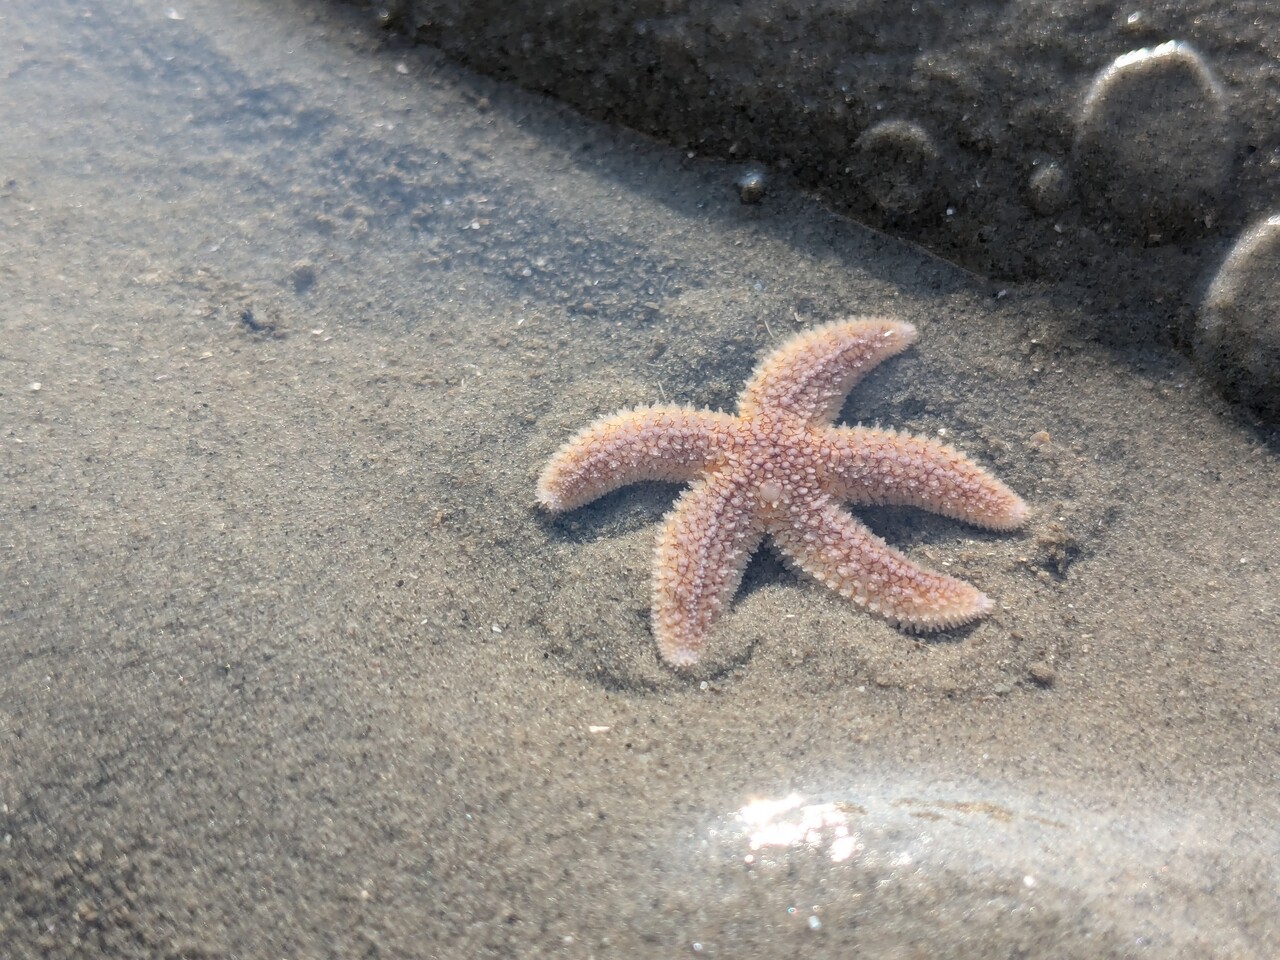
780,467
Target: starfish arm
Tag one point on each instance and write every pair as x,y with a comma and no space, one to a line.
887,467
648,443
810,374
702,551
832,547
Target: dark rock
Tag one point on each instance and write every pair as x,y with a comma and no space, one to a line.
1238,333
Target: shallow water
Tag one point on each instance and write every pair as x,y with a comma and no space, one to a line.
290,664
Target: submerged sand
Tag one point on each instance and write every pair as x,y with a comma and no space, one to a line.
291,666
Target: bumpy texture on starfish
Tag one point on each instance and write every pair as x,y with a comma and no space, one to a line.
779,468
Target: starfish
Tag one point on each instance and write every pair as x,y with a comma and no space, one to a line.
781,467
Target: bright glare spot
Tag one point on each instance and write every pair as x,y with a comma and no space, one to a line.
842,848
790,822
762,811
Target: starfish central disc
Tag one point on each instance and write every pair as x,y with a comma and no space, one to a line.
781,468
770,492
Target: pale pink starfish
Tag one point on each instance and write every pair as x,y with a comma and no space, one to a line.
781,468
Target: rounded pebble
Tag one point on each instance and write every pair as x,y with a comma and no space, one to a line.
1154,145
1049,189
751,186
1237,338
1042,673
897,166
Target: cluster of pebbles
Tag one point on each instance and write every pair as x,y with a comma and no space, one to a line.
1133,150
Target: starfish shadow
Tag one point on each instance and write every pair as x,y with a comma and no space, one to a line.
907,528
598,628
768,567
644,506
615,514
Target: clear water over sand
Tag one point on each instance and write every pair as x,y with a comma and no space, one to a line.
291,666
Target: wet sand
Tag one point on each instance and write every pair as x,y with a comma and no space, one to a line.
290,665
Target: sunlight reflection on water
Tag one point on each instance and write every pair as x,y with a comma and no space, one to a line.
890,854
790,822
